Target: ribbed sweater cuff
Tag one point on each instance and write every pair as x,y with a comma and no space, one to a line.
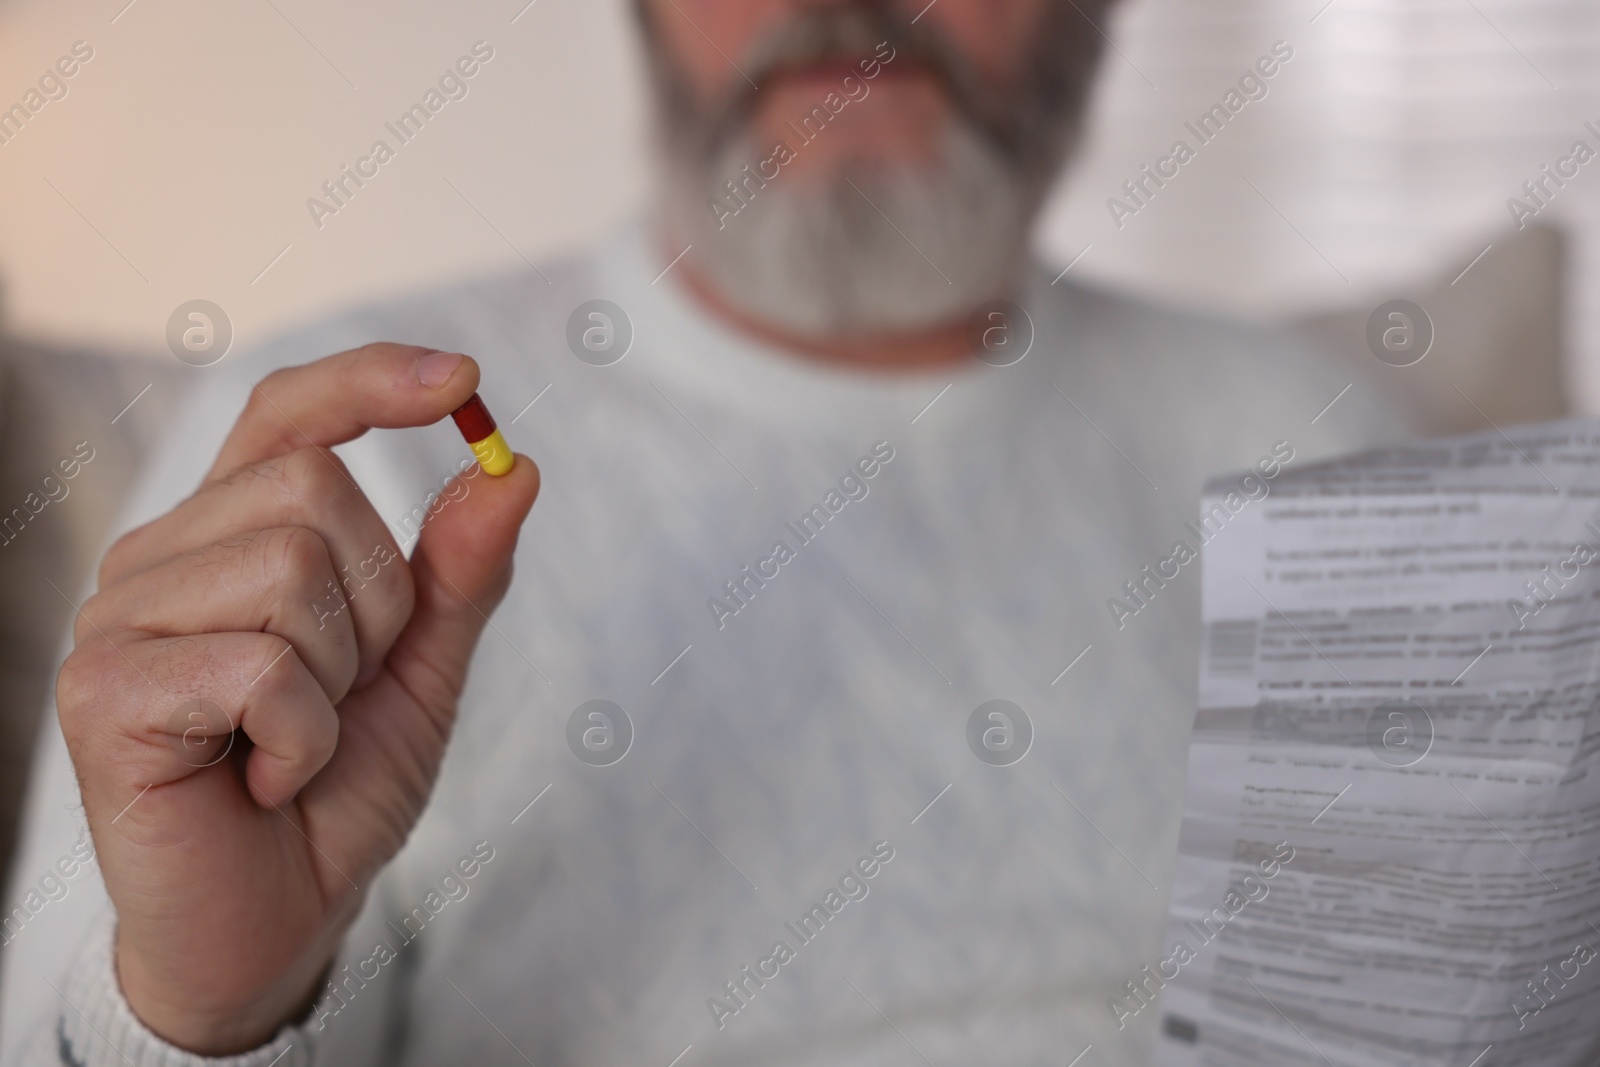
96,1028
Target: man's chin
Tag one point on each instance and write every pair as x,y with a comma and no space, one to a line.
874,251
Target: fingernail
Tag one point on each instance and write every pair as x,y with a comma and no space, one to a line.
435,368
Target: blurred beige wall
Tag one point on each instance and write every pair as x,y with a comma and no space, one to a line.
179,163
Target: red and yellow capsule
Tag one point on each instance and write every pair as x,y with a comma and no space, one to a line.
477,426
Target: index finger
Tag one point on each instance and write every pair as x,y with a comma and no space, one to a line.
337,399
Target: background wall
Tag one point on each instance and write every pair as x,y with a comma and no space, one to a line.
179,164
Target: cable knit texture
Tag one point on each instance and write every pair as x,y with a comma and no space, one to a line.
96,1028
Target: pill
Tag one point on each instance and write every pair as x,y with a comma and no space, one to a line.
477,426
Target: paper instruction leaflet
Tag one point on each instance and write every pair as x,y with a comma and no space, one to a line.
1399,719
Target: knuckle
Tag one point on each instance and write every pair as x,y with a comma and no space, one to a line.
260,400
268,668
79,686
278,431
294,556
317,479
91,619
98,692
271,382
293,561
259,407
120,556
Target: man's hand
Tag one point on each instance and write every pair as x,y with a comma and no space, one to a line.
274,601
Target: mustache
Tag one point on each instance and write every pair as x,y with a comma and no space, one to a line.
1030,117
844,35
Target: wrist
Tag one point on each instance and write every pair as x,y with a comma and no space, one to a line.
207,1016
96,1025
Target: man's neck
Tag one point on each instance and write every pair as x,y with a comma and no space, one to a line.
940,345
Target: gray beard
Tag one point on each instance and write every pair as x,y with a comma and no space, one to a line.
876,250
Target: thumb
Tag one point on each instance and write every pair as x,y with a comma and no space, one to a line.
461,570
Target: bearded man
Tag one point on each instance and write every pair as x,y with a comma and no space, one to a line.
838,711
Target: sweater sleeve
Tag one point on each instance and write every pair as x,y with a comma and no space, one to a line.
95,1027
